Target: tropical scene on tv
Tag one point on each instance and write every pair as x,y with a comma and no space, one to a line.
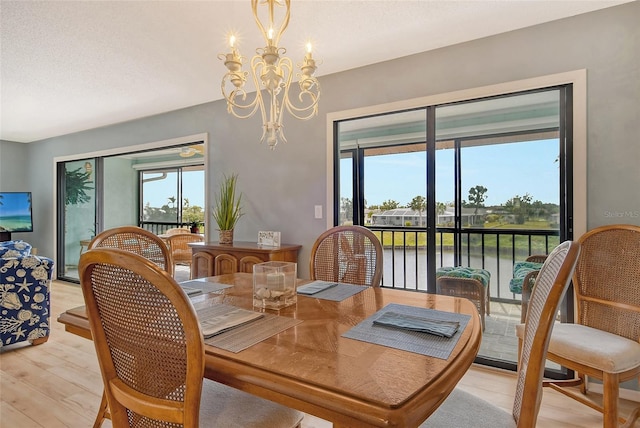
15,212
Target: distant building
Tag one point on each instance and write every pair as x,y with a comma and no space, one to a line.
409,217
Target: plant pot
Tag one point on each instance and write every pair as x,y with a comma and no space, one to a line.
195,229
226,236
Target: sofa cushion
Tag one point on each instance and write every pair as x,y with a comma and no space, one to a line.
11,249
520,271
482,275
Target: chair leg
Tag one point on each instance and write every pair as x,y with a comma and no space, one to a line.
488,299
633,417
103,412
610,387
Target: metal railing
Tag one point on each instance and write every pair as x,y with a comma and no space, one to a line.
496,250
159,228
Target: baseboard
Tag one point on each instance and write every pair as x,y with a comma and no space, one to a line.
625,394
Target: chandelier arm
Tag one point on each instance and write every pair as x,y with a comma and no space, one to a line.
232,104
275,39
256,66
290,106
287,67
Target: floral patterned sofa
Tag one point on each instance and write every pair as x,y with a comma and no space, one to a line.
24,294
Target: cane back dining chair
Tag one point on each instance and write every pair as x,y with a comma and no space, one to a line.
604,341
151,351
176,231
139,241
136,240
462,409
347,254
179,247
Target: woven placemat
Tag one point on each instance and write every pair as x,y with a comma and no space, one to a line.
338,293
412,341
247,335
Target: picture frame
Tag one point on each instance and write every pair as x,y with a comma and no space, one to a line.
269,238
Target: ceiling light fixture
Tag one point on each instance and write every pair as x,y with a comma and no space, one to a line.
272,73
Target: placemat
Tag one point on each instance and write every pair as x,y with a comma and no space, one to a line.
203,285
412,341
338,293
247,335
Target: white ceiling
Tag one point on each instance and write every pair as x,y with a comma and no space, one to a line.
68,66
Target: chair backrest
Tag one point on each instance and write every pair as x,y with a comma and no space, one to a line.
176,231
178,245
136,240
606,280
147,337
537,258
551,285
349,254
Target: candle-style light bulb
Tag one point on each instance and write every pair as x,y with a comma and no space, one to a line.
308,47
232,41
270,35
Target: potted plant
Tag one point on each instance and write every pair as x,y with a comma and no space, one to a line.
227,210
194,227
193,215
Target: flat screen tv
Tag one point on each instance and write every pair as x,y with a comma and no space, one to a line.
15,212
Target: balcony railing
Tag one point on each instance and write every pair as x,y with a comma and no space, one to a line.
159,228
496,250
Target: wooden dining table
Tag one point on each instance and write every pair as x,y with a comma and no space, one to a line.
313,368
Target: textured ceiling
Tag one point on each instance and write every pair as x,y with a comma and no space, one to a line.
71,66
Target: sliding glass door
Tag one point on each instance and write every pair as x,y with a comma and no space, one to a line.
480,183
77,213
99,193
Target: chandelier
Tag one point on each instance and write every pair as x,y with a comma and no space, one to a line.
271,73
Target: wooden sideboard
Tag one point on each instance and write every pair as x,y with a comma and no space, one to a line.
212,258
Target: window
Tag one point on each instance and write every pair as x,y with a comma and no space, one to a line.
480,183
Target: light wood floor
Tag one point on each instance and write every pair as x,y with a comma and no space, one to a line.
58,384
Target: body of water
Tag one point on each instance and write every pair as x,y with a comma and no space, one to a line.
409,269
16,223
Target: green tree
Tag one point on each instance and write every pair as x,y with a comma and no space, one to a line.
346,204
520,207
538,210
477,197
419,203
193,215
389,204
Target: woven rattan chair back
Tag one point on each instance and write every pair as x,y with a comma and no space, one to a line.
147,338
551,285
176,231
179,247
348,254
606,280
136,240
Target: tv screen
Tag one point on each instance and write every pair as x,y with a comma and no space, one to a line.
15,212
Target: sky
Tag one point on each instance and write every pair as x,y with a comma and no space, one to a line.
158,192
506,170
15,203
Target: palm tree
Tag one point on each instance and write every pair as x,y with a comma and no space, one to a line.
419,203
76,187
